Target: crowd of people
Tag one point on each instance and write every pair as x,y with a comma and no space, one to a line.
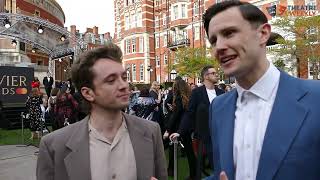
58,108
264,128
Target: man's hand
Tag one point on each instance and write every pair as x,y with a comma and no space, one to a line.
153,178
223,176
173,136
165,135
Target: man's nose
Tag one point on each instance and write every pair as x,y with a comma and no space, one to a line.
220,47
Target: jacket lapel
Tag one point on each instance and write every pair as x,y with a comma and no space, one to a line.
285,120
142,147
226,131
204,95
77,162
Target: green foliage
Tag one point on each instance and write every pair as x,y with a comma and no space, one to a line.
190,61
300,37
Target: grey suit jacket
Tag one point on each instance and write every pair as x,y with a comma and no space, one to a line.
64,154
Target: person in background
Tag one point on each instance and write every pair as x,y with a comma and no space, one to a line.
33,106
51,107
66,108
35,83
107,144
144,105
181,95
48,82
268,128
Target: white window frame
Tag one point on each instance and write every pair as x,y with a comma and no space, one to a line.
134,72
141,42
184,11
141,72
128,46
165,40
157,61
157,41
133,45
195,8
165,59
196,32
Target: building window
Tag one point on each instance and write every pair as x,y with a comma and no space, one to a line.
165,40
157,61
128,47
157,2
134,72
134,20
127,2
165,59
183,11
195,8
156,21
175,12
127,22
141,72
133,43
196,33
157,41
141,44
139,15
158,77
37,13
164,20
128,72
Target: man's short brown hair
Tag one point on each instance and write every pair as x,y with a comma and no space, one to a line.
82,74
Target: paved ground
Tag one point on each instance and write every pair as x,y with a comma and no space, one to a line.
18,162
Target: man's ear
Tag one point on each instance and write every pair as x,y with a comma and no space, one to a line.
265,32
88,94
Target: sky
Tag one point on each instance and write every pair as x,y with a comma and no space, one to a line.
90,13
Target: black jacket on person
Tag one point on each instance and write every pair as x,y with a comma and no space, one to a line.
197,115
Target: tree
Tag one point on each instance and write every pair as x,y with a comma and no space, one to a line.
301,39
190,61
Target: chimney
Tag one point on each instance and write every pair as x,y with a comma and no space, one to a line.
89,30
73,29
96,31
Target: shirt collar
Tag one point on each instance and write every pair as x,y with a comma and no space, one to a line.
95,133
264,87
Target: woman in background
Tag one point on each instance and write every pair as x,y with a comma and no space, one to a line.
66,108
181,95
144,105
33,106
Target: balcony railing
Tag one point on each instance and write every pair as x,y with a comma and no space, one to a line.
179,43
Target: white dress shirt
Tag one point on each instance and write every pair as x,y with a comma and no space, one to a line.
211,94
252,114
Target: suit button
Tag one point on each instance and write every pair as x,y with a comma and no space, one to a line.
113,176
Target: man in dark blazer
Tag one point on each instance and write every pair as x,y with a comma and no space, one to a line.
197,115
48,82
107,144
267,128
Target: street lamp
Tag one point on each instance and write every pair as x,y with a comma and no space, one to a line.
173,74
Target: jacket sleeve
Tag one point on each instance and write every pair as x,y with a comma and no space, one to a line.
187,120
160,159
215,143
45,165
175,117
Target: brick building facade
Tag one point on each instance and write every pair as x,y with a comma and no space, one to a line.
150,31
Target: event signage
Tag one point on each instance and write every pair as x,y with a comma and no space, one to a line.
15,84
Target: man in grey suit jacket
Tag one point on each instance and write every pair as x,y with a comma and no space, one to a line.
107,144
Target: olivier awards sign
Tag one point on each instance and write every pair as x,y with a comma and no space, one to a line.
15,85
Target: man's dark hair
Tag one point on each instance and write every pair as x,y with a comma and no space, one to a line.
204,71
248,11
82,74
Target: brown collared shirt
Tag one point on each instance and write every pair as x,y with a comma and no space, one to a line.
112,160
